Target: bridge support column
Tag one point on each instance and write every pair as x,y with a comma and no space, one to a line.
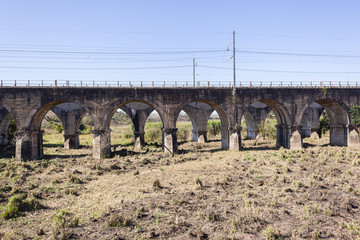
170,140
71,141
23,146
200,136
354,139
296,139
339,135
235,138
101,144
283,134
139,139
251,133
225,138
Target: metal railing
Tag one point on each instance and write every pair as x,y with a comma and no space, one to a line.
176,84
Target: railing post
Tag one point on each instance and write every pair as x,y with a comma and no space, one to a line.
15,84
251,84
105,83
261,84
291,84
118,84
186,84
55,83
329,83
28,83
152,83
164,84
339,84
93,83
348,84
175,83
198,83
208,84
270,84
2,82
141,84
356,83
81,83
42,83
281,84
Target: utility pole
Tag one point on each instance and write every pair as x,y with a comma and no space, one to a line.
234,59
194,64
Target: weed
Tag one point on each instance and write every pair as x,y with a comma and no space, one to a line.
118,221
64,219
272,233
20,203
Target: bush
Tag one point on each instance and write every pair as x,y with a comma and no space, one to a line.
184,132
324,123
19,203
355,115
214,127
267,129
153,132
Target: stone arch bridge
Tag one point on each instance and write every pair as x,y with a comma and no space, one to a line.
297,111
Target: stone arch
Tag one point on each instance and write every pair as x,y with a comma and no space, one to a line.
283,127
33,140
339,120
102,132
225,120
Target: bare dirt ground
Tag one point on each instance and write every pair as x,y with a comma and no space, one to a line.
202,193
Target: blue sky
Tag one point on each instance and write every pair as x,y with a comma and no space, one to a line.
279,40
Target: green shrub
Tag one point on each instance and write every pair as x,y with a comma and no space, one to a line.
214,127
184,132
153,132
19,203
267,129
65,219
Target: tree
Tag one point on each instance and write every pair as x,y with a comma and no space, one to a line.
355,115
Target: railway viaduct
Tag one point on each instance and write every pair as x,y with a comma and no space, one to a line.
296,109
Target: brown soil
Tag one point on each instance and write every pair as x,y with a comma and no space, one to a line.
202,193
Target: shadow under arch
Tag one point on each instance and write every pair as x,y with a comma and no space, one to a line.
283,127
198,109
339,121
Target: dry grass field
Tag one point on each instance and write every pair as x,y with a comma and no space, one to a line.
202,193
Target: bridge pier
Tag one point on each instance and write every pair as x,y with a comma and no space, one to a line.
170,140
339,134
200,136
71,141
101,144
235,138
296,138
354,139
139,139
29,145
225,138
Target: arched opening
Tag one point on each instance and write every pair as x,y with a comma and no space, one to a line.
184,125
208,121
52,133
325,122
122,130
84,127
128,126
57,118
270,122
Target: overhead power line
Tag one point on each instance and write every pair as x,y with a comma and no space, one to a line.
277,71
113,68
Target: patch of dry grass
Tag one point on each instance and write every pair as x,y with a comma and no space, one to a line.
259,193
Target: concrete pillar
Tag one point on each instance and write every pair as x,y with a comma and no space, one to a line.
224,138
235,138
23,146
170,140
251,133
339,134
36,144
354,140
71,141
296,139
283,135
202,136
139,139
101,144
